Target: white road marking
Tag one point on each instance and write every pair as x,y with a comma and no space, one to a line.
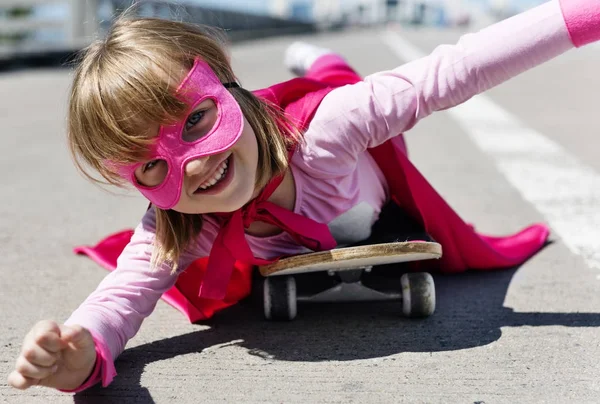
565,191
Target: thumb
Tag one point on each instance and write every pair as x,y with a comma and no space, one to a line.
76,336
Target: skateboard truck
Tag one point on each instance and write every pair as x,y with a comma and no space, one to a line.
349,289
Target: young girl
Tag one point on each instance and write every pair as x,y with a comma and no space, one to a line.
238,178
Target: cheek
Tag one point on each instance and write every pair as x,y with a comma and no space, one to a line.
250,143
255,152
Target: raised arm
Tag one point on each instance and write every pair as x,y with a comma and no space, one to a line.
353,118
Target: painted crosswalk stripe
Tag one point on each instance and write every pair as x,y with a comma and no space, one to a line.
565,191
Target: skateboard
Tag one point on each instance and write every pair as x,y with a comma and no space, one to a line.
347,265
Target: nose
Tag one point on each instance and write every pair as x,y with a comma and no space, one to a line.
195,166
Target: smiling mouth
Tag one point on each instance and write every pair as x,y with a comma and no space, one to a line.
218,176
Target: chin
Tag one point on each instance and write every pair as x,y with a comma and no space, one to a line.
239,202
233,203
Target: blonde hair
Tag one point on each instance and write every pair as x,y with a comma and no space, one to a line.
125,84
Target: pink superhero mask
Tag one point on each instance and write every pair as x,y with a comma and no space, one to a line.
199,85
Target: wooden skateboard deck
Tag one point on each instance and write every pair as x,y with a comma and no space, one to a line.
348,258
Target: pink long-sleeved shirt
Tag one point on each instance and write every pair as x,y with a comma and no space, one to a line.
347,190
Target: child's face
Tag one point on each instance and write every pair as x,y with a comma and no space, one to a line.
222,182
206,162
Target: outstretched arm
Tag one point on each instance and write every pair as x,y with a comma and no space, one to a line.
114,312
353,118
80,353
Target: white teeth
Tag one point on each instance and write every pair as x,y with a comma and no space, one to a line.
219,174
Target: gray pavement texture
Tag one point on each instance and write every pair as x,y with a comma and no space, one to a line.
527,335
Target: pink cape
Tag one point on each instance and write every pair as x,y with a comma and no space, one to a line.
463,247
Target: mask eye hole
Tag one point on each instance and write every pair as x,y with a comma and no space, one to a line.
200,121
152,173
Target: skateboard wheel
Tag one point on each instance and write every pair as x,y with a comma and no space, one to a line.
279,298
418,294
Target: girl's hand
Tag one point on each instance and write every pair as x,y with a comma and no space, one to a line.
55,356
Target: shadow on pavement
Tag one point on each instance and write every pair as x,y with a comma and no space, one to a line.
469,313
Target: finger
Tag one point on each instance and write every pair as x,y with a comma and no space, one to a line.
37,355
27,369
46,334
76,335
21,382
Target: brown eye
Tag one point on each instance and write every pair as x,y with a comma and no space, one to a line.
194,119
150,165
200,121
152,173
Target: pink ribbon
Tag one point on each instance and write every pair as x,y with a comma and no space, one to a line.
231,245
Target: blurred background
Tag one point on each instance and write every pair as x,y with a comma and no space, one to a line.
37,30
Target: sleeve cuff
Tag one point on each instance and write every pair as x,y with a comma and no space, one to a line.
582,18
104,369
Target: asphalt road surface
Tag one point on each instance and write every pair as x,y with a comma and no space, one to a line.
525,152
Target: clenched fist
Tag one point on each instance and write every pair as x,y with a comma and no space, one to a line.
53,355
